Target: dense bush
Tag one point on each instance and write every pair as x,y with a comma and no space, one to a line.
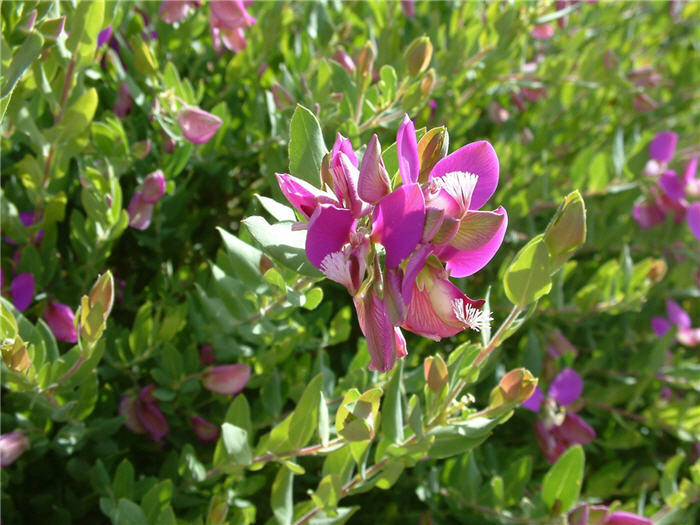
179,176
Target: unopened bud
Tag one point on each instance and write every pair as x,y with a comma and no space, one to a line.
567,229
60,319
326,175
373,182
140,212
431,148
12,445
341,56
153,187
53,27
426,85
515,387
436,373
206,431
15,354
198,126
365,62
418,55
283,99
102,293
226,379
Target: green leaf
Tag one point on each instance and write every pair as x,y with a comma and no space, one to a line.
528,277
129,513
305,416
323,425
84,26
245,258
21,60
123,484
281,496
562,484
280,242
76,119
392,411
306,146
277,210
236,442
157,499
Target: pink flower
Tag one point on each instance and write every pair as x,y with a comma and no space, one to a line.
676,315
172,11
227,20
227,380
206,431
143,415
543,31
153,187
12,446
60,319
197,125
409,8
140,212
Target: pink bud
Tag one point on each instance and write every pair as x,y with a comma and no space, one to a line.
153,187
127,408
627,518
172,11
197,125
122,106
543,31
168,144
341,56
104,36
206,355
152,419
409,8
226,379
230,13
60,319
140,212
12,445
206,431
22,291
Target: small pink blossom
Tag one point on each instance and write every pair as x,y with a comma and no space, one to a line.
60,319
12,446
226,379
198,126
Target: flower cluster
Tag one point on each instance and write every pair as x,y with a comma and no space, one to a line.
560,427
676,316
672,193
387,245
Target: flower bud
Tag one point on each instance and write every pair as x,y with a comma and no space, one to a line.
567,229
172,11
153,187
15,356
418,55
435,373
140,212
153,420
431,148
206,355
52,28
627,518
122,106
543,31
426,85
365,62
22,291
127,408
283,99
141,149
206,431
373,183
102,293
104,36
12,445
197,125
60,319
515,387
226,379
341,56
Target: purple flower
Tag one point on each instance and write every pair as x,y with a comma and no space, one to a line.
12,445
621,517
419,225
143,415
22,291
140,212
663,146
104,36
206,431
60,319
227,380
153,187
676,315
197,125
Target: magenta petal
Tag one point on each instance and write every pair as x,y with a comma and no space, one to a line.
478,158
140,212
575,430
693,218
660,325
60,319
534,402
329,229
648,214
398,221
206,431
198,126
22,291
676,314
663,146
691,170
672,185
302,195
233,39
383,341
464,263
152,420
566,387
543,31
231,13
413,267
343,144
407,148
153,187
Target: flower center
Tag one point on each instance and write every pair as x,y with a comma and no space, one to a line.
460,185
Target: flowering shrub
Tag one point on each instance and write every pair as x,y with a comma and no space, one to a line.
257,265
